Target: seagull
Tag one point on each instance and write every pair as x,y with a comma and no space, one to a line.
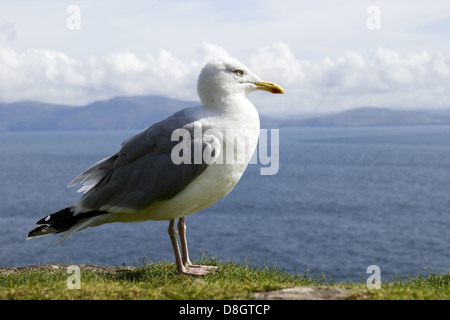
155,176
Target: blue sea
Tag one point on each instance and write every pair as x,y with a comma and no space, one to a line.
343,199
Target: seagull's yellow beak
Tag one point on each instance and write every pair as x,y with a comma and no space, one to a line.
269,86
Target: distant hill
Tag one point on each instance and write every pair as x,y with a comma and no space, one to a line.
370,116
139,112
119,113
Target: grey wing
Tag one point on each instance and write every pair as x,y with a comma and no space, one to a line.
94,174
143,171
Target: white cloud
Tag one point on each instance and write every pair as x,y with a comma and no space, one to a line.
322,53
382,78
127,74
278,61
209,51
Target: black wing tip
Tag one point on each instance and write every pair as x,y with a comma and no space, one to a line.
41,231
61,214
60,221
43,221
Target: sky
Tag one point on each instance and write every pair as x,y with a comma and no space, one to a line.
329,56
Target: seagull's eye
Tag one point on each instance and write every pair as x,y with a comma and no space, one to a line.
239,72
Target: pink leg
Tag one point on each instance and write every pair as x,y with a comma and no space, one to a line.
191,269
173,234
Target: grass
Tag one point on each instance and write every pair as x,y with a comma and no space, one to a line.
234,281
419,287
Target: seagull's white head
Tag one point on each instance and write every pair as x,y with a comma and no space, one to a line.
224,77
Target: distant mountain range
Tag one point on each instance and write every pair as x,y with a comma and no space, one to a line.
138,112
370,116
119,113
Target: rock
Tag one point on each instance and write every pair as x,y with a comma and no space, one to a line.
305,293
